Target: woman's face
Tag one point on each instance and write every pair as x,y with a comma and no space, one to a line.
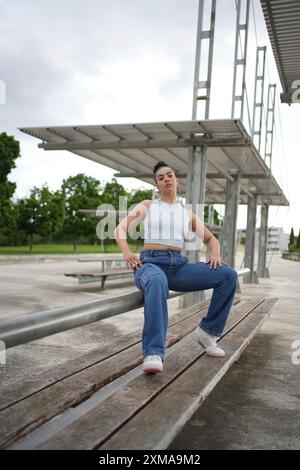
166,181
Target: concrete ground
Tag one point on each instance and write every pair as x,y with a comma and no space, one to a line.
31,284
256,404
40,284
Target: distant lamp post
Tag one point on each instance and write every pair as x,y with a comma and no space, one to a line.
31,220
74,237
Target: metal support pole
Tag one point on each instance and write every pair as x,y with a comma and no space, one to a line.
196,178
210,219
250,241
270,124
240,60
197,156
154,193
228,233
210,222
202,35
262,270
259,97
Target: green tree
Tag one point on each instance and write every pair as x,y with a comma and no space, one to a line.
40,214
111,193
138,195
80,192
13,234
298,241
9,152
113,197
292,240
216,220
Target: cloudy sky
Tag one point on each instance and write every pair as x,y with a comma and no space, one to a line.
72,62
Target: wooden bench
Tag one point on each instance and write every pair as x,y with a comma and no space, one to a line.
86,277
103,400
104,261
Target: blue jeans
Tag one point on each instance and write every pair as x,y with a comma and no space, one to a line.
162,270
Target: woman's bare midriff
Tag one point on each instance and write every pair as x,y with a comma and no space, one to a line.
157,246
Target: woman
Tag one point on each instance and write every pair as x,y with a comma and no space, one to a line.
161,267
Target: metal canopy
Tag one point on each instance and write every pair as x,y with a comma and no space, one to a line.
133,150
283,23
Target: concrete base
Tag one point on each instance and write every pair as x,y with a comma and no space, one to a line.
267,272
251,280
294,256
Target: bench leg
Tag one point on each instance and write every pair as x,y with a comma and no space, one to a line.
103,281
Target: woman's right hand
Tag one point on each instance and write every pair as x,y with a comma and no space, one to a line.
131,260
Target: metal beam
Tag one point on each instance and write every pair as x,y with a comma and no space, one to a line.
29,327
270,124
32,326
229,176
228,232
201,36
180,143
239,95
210,223
184,175
195,195
259,98
262,270
250,241
267,5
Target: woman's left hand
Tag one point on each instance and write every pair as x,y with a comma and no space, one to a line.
215,260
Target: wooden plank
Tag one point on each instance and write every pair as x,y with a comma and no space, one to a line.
108,272
34,384
27,414
146,431
85,278
116,410
100,258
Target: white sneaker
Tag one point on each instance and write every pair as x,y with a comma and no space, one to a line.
209,343
152,364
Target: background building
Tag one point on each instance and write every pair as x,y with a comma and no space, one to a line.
277,239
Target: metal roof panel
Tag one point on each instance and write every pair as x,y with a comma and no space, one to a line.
133,149
283,23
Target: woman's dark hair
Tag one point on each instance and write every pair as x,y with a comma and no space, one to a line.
159,165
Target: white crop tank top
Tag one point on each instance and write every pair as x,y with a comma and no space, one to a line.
166,224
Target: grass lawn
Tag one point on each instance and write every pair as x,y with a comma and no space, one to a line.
60,249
